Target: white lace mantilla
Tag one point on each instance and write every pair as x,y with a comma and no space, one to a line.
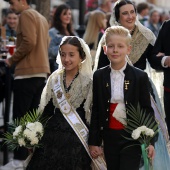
81,89
139,44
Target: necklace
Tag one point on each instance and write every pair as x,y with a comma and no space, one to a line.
69,87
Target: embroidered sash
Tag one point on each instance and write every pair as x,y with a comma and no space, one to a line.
75,121
161,121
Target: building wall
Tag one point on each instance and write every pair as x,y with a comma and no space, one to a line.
163,3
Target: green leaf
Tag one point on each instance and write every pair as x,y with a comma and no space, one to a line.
138,117
155,127
128,138
142,119
132,125
132,121
129,131
131,113
152,125
28,117
128,147
146,119
149,123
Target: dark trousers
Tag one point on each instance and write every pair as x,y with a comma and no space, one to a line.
167,109
117,153
27,94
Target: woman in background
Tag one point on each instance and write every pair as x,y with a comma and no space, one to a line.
61,26
125,14
94,30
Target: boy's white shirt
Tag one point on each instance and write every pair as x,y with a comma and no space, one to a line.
117,93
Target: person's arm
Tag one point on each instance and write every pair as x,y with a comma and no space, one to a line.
27,35
157,56
54,47
153,60
94,140
94,131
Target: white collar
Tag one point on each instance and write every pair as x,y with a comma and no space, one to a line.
121,71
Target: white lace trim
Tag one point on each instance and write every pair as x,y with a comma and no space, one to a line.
117,83
139,44
81,90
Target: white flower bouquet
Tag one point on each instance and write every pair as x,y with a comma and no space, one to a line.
143,128
26,132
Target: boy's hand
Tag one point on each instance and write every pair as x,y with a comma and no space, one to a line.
95,151
151,152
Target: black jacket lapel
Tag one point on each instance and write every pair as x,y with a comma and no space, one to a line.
128,82
107,82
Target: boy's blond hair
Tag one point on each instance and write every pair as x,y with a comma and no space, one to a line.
117,30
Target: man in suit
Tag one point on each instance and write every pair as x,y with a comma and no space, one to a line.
32,66
115,88
161,50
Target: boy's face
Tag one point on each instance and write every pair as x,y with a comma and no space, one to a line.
116,49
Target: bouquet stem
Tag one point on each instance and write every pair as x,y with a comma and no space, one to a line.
145,157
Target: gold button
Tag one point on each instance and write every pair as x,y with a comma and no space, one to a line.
107,119
101,128
107,110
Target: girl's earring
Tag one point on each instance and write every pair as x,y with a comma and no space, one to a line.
80,66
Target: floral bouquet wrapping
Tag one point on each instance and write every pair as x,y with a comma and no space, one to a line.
143,128
26,132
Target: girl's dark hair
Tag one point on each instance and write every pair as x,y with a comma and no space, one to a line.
119,4
57,23
73,40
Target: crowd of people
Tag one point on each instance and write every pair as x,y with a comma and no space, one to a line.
86,84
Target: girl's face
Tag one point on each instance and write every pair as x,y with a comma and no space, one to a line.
65,16
116,49
70,57
127,16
